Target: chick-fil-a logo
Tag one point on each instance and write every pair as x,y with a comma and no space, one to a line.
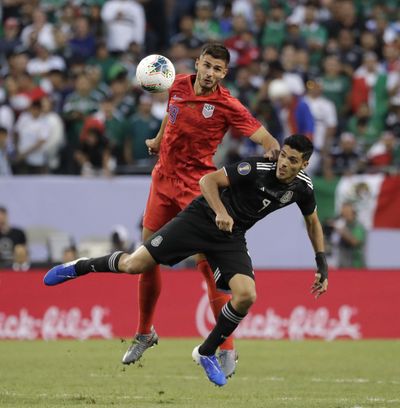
301,323
56,323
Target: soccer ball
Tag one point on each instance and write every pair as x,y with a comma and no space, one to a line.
155,73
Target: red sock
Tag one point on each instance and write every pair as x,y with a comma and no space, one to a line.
217,299
148,292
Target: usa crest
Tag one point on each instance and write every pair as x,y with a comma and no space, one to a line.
286,197
208,110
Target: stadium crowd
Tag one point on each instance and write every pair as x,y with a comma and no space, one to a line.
70,104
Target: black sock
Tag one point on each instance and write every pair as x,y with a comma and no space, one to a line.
227,322
108,263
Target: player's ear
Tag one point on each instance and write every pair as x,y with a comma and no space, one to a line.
304,164
196,64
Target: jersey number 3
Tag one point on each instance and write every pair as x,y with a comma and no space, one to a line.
266,203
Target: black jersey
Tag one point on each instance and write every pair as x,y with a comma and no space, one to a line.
255,192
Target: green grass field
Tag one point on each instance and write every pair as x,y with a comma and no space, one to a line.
270,374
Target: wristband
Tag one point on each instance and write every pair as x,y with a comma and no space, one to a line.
322,265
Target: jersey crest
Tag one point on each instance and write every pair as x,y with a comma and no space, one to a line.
286,197
155,242
243,168
173,113
208,110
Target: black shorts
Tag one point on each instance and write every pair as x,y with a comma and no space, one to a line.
193,231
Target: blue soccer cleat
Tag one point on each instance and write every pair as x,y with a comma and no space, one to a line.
211,367
61,273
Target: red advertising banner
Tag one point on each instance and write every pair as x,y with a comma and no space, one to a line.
359,304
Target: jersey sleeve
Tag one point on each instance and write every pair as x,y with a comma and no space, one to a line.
241,120
307,203
242,171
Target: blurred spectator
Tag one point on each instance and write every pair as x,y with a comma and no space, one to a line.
44,62
384,155
344,159
7,117
350,54
5,165
275,27
336,86
82,43
364,127
325,118
69,254
287,70
103,59
56,138
17,61
314,33
10,237
371,43
369,86
40,31
10,39
187,38
27,92
293,112
112,124
241,44
344,16
206,27
21,262
93,154
78,104
125,23
124,101
120,239
348,237
143,125
32,132
393,119
58,87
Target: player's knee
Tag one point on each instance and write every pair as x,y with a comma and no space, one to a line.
131,264
245,298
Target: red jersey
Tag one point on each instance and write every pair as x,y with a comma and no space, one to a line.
196,126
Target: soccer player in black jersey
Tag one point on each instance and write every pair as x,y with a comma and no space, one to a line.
233,199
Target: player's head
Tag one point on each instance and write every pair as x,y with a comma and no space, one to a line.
212,66
294,156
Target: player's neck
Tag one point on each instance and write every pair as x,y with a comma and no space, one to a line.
200,91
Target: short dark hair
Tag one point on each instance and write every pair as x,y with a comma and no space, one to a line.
301,143
217,50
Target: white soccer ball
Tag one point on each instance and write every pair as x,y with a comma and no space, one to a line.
155,73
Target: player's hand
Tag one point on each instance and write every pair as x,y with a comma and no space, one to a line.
224,222
153,145
319,287
272,154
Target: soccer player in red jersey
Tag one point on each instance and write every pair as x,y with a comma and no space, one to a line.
200,111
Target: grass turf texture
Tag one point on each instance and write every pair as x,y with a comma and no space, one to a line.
270,374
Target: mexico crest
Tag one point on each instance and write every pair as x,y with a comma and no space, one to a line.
208,110
286,197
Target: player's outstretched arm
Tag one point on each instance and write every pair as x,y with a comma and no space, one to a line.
262,137
209,186
314,230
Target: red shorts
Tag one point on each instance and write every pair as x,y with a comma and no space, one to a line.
167,197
